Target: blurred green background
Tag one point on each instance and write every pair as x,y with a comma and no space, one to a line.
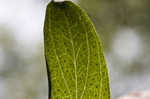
124,29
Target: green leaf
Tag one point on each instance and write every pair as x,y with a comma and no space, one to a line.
74,55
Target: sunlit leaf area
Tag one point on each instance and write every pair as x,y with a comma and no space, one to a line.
123,26
74,55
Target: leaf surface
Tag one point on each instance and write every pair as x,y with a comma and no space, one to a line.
74,55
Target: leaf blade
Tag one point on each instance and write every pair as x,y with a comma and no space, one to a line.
74,54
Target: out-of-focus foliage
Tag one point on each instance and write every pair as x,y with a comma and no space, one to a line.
21,71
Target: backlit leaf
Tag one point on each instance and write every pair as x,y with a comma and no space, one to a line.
74,55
